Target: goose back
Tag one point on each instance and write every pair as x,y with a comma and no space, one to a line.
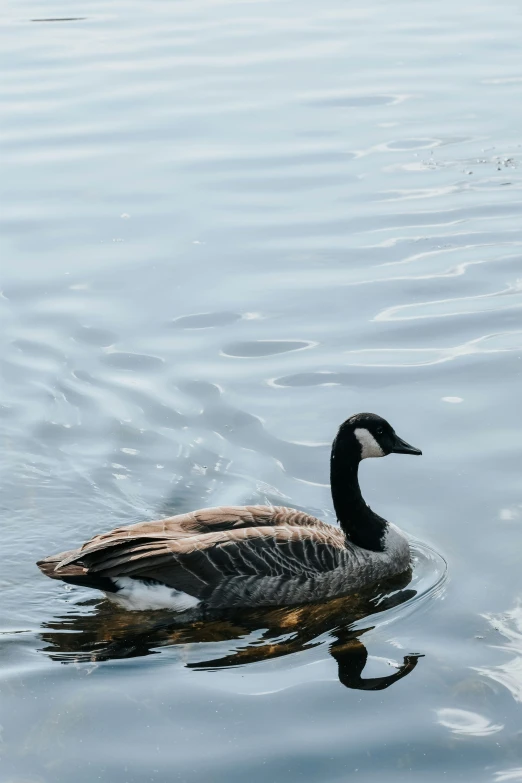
228,556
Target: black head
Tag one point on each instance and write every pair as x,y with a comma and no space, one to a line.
372,436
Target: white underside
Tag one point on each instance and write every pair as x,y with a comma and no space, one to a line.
140,596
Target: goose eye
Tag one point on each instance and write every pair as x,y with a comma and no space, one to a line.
380,431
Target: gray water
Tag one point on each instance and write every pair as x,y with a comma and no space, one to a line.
227,226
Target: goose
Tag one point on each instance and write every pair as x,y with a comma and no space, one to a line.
246,556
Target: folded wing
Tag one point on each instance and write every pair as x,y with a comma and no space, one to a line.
198,552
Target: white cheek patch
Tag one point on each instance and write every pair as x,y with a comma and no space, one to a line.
369,446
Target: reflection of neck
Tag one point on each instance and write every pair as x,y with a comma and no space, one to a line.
352,659
359,523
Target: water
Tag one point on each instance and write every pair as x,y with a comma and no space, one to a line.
226,226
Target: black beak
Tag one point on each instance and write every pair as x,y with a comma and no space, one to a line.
401,447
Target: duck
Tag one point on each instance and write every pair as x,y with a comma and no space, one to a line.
252,556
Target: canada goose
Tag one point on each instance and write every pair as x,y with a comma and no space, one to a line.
251,555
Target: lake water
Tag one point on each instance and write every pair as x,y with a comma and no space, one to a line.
226,227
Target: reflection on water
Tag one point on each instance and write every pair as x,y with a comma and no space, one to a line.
466,723
509,674
514,775
225,227
107,632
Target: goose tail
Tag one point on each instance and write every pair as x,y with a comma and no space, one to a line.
74,573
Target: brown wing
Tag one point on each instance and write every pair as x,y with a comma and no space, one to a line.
195,523
173,552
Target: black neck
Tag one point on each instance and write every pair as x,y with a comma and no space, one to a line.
358,522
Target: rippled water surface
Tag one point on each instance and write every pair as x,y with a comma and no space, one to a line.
225,227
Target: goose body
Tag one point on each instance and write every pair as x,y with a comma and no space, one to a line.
234,556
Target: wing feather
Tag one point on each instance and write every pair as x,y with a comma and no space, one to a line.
208,520
216,551
255,551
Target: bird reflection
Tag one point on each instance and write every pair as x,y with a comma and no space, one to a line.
250,636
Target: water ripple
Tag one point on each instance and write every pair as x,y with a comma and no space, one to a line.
227,226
